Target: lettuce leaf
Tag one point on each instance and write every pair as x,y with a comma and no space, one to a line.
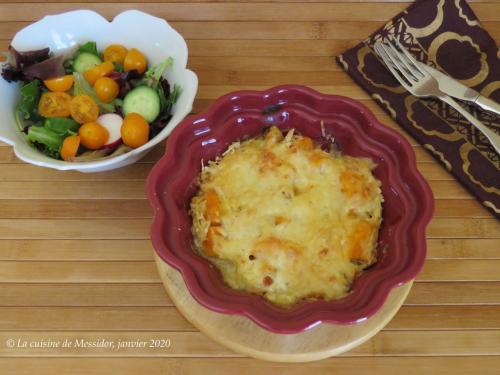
64,126
153,75
46,140
127,80
30,95
26,110
49,137
167,100
172,98
89,47
50,68
14,69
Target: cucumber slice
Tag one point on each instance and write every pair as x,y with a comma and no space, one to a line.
84,61
144,101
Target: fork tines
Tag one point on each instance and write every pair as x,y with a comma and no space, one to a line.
399,61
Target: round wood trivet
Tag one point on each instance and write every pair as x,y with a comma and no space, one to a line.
243,336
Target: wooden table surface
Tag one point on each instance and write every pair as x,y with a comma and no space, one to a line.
75,258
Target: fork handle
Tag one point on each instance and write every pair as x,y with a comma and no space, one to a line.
488,104
489,134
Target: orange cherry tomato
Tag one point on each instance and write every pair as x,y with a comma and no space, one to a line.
93,135
54,104
106,89
59,84
84,109
70,146
135,60
98,71
134,130
115,53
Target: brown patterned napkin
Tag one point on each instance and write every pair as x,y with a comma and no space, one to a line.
447,35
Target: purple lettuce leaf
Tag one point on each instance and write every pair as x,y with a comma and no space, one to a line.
28,65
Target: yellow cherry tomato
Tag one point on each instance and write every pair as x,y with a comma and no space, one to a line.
106,89
54,104
59,84
135,60
70,146
84,109
98,71
115,53
134,130
93,135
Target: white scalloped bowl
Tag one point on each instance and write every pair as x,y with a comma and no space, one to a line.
152,35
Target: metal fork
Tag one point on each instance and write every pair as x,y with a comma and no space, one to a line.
420,83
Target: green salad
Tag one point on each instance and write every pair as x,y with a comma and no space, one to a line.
87,104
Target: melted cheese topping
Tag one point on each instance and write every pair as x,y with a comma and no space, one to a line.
283,218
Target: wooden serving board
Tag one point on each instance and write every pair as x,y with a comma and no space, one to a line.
244,336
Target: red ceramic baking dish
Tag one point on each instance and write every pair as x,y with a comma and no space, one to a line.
407,208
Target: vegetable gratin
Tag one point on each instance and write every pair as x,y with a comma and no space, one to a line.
283,218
